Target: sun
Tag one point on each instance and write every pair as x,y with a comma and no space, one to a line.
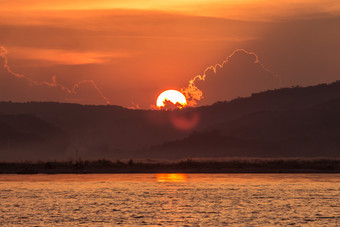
172,97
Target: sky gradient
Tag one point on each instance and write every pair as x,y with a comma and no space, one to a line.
127,52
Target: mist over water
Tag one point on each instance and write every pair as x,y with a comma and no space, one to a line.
170,200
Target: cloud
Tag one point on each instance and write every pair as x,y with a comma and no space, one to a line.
170,48
67,57
241,74
18,87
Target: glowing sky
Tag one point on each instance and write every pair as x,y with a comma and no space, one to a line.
214,8
133,50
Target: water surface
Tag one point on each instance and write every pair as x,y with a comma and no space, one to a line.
170,200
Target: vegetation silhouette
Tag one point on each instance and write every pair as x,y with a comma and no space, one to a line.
251,165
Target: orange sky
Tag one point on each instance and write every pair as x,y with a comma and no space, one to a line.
133,50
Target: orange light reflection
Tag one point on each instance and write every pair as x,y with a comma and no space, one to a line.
171,177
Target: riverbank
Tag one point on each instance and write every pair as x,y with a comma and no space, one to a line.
185,166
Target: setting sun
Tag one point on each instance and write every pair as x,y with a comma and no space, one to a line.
173,97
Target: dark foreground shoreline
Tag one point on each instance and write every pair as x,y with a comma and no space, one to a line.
187,166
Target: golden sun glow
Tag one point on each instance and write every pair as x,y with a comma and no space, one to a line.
171,96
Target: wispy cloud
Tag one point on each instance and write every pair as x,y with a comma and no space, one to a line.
53,84
194,94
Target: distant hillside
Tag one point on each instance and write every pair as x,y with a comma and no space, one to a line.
310,132
293,98
115,132
27,137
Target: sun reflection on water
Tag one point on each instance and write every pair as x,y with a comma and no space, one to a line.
171,177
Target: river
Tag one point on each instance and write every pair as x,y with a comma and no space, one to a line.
170,199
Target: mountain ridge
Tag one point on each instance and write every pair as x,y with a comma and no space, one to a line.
116,132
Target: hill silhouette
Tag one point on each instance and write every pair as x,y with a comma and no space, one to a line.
309,132
286,122
25,136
